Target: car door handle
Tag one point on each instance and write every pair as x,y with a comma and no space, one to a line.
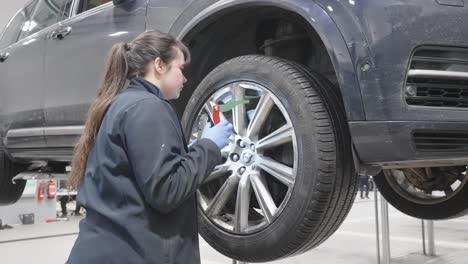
4,56
61,33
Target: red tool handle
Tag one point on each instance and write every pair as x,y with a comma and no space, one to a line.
216,118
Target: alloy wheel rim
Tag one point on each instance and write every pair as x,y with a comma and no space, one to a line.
251,188
399,183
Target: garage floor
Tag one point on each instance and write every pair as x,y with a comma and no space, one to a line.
353,243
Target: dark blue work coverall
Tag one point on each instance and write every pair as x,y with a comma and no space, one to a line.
140,182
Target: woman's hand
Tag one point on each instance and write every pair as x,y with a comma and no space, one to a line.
219,134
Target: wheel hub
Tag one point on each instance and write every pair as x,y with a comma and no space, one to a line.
247,157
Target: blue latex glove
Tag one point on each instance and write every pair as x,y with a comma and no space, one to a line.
219,134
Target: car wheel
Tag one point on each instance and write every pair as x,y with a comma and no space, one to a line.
426,193
287,181
9,192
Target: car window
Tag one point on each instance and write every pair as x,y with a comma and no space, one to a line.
90,4
14,28
46,14
66,7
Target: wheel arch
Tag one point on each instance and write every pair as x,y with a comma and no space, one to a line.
198,30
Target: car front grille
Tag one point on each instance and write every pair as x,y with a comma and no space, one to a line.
441,141
438,77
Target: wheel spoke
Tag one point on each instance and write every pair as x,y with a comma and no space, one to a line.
406,185
261,112
208,109
194,136
278,137
238,112
217,172
241,220
263,197
225,151
223,195
201,199
281,172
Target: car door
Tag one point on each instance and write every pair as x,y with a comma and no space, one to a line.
22,83
75,62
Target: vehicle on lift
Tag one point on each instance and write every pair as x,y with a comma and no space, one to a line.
326,88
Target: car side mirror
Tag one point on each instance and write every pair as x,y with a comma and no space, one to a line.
118,2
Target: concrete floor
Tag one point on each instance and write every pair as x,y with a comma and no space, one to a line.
354,242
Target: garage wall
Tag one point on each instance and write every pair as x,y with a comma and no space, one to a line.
8,9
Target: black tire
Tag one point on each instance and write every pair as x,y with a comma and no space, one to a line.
454,207
9,192
325,184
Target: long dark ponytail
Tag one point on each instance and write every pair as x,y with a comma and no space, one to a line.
125,60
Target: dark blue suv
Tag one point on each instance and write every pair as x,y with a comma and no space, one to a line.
318,91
